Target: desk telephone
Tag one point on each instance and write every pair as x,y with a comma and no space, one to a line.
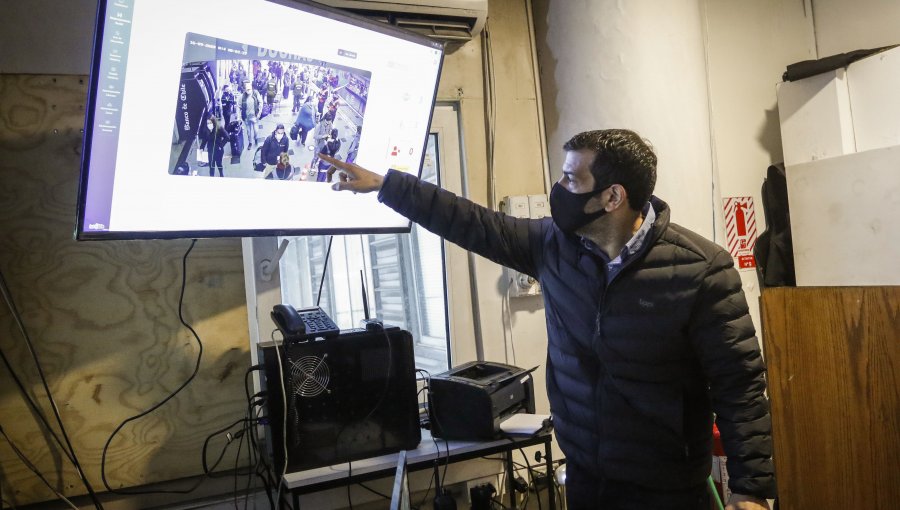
304,323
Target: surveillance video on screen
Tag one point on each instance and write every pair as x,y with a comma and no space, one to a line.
206,118
240,116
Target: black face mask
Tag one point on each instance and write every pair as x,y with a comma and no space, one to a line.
567,208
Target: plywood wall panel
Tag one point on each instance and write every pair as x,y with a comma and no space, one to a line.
104,316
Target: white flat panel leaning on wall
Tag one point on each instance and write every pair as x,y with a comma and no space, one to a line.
844,200
844,219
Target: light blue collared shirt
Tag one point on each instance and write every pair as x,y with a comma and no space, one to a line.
631,248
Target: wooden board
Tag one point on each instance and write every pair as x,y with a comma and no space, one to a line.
104,317
833,355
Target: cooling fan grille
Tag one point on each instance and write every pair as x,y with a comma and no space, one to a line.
309,376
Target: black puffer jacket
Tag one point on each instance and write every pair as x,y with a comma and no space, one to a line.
635,367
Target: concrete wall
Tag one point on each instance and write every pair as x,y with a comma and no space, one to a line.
639,65
843,26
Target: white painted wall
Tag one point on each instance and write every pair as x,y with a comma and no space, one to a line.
845,25
749,45
638,65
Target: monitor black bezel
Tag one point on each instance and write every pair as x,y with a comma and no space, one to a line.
304,5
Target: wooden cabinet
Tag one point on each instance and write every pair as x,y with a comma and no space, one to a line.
833,356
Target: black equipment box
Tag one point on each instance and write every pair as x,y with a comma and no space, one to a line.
470,401
349,397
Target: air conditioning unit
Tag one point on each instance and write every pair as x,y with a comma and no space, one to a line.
451,21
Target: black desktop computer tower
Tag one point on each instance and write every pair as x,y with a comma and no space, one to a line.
349,397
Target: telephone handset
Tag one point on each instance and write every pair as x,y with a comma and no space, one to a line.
303,324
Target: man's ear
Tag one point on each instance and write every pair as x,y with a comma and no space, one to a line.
618,197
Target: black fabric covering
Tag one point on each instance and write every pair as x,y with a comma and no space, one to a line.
808,68
630,364
774,250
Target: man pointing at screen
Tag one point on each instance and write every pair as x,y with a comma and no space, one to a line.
648,329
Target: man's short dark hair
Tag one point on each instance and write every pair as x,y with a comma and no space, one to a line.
623,158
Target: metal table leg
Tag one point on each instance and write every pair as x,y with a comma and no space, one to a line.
510,482
551,481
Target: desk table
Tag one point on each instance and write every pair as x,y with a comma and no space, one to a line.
423,457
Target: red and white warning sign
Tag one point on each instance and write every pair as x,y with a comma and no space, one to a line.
740,230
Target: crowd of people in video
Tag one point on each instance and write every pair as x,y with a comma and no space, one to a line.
267,90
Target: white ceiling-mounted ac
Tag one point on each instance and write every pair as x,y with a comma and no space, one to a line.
452,21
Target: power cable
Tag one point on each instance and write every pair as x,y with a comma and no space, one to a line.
7,296
440,480
161,403
284,425
259,467
34,469
37,411
237,459
531,476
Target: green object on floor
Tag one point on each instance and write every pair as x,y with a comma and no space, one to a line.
715,493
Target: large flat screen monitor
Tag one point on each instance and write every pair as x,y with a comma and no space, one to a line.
182,135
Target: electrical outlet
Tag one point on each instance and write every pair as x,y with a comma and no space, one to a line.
484,480
540,481
521,285
524,206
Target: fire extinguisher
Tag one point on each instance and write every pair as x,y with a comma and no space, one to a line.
719,472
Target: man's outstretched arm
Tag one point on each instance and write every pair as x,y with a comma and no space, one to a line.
512,242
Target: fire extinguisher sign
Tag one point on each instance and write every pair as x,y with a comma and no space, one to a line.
740,230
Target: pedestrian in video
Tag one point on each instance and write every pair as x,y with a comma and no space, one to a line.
228,104
283,170
331,148
298,95
275,144
334,103
304,78
235,77
242,76
235,138
288,83
319,78
323,131
353,148
278,71
213,139
306,120
259,82
251,105
271,89
323,97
